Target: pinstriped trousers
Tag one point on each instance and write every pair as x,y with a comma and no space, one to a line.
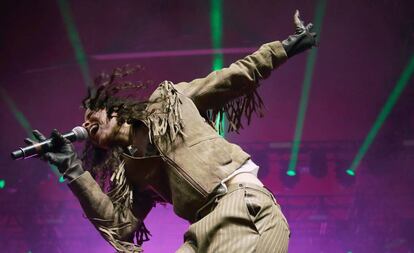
245,219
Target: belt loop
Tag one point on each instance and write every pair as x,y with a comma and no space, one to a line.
220,191
224,186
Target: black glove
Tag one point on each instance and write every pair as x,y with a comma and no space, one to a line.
302,40
63,156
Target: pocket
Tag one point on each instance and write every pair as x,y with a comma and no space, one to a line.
253,208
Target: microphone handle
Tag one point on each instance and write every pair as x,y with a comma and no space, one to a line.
39,148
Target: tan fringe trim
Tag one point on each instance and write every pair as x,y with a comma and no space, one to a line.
236,109
120,246
121,196
166,121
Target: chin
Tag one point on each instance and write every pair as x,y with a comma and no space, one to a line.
104,145
99,143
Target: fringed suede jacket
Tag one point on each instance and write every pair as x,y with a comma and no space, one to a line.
192,158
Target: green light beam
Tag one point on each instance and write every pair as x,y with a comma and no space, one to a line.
216,27
307,82
382,116
18,115
75,41
2,184
22,120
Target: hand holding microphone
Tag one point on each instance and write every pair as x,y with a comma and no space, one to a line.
58,150
43,145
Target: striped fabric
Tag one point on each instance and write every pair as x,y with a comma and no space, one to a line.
246,219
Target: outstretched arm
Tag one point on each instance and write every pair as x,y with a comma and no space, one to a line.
116,225
113,219
242,77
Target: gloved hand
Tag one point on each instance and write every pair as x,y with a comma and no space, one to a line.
302,40
63,156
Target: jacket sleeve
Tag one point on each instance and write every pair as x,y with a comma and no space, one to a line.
240,78
117,225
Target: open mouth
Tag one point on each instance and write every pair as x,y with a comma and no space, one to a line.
93,129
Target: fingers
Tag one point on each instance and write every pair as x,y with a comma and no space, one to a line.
38,135
60,143
56,135
29,141
300,27
51,157
57,139
296,20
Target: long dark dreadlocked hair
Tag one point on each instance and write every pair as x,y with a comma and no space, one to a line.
123,98
127,100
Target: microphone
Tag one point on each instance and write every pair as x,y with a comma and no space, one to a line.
77,134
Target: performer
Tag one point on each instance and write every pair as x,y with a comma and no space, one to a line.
164,149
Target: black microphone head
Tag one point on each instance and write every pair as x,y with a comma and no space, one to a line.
81,133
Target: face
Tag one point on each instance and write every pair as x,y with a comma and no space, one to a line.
104,132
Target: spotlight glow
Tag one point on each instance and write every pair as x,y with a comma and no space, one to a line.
386,110
291,173
74,38
2,183
350,172
306,86
23,121
216,27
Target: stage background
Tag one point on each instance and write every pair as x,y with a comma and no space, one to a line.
50,50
